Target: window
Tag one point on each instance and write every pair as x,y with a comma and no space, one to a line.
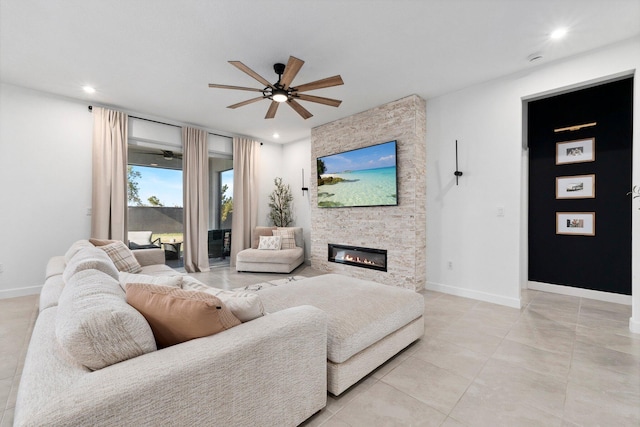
155,197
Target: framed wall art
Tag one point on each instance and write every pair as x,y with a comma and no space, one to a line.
576,187
578,151
576,223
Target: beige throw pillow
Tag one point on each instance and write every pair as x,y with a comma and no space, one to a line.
260,231
270,243
176,315
122,257
244,305
172,281
101,242
288,238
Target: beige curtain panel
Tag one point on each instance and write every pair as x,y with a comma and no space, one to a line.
195,175
109,183
245,194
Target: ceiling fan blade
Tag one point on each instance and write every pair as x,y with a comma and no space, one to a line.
290,71
248,101
234,87
299,109
239,65
271,112
320,100
319,84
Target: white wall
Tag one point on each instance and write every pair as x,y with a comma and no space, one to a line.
296,157
462,222
45,173
286,161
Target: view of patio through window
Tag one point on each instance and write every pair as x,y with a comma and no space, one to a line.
155,203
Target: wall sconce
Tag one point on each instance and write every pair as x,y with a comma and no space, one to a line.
457,173
303,187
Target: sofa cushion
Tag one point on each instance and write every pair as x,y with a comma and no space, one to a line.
51,291
159,270
270,243
284,256
287,238
96,326
172,281
55,266
177,315
244,305
260,231
75,247
89,258
361,312
122,257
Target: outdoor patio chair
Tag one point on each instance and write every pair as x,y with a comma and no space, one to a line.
142,240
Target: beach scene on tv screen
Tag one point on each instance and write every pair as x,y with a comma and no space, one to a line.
362,177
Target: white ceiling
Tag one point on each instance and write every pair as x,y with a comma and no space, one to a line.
156,57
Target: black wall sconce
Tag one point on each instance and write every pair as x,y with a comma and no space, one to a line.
457,173
303,187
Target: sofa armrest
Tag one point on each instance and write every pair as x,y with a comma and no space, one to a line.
149,256
269,371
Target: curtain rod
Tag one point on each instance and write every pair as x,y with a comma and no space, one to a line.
168,124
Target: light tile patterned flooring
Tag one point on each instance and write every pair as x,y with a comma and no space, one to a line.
559,361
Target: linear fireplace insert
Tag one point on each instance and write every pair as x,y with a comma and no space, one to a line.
375,259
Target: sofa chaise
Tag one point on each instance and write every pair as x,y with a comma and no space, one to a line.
283,260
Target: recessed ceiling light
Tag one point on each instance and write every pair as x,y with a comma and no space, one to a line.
559,33
276,135
88,89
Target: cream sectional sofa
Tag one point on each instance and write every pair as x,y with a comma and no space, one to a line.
267,371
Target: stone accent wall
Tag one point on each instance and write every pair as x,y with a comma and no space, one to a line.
401,230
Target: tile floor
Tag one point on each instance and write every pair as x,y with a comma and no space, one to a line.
559,361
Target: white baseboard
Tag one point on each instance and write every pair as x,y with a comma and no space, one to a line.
20,292
473,294
634,325
579,292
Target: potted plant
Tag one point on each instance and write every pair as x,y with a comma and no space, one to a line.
280,203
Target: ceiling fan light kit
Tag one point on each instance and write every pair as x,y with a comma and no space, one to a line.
282,91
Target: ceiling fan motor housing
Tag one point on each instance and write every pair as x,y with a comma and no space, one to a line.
278,68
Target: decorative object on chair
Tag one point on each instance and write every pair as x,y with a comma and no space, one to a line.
282,91
280,203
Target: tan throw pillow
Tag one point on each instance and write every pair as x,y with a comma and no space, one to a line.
122,257
270,243
172,281
260,231
288,238
176,315
101,242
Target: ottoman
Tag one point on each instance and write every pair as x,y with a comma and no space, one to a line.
368,322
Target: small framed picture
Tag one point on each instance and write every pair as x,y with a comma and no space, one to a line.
576,187
576,223
578,151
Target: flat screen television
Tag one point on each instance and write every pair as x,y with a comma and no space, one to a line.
362,177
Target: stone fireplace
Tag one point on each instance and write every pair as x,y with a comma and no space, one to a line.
400,229
375,259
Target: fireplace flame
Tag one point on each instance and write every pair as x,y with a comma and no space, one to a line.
357,259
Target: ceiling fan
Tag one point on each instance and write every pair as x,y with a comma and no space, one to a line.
168,155
282,91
